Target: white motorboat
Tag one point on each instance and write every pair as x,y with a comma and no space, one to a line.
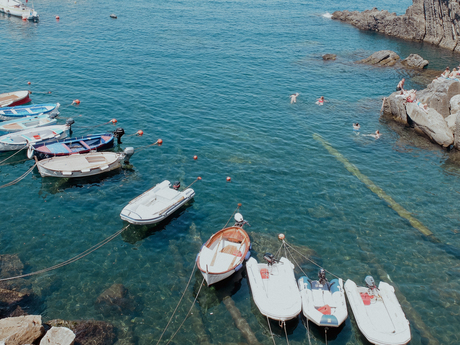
27,122
378,313
323,302
156,204
274,288
224,253
83,165
18,9
18,140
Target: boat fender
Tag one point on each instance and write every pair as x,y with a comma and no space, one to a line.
248,254
237,268
30,151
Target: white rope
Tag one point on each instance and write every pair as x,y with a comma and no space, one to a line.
285,332
183,294
307,327
19,178
271,333
75,258
188,313
14,154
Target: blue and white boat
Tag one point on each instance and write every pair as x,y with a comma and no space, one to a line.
19,140
11,113
70,146
27,122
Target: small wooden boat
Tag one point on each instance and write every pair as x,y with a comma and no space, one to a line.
274,288
224,253
27,122
70,146
19,140
156,204
82,165
18,9
12,99
323,302
378,313
11,113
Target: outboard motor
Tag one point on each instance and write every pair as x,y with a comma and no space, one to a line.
239,221
69,123
118,133
176,185
370,283
270,258
53,116
322,277
129,151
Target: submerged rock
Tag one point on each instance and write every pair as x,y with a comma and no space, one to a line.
21,330
88,332
115,300
329,57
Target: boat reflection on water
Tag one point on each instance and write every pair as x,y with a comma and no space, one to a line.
137,233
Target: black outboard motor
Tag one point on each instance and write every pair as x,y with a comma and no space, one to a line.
69,123
270,258
176,185
322,277
118,133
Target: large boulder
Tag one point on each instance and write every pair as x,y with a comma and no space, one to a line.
58,336
88,332
414,61
10,300
457,133
21,330
438,94
455,104
382,58
115,300
430,123
394,107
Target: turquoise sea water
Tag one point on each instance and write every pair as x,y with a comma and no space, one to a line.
213,79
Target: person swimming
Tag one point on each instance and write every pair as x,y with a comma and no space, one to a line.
294,97
320,101
356,126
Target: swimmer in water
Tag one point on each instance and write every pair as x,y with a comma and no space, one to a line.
375,135
294,97
320,101
356,126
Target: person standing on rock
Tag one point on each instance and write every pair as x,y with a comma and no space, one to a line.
400,86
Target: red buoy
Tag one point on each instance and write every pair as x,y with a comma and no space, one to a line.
140,133
229,178
76,101
195,157
199,178
57,17
281,237
159,141
114,121
29,83
239,204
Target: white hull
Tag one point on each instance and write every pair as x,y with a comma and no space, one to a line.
156,204
18,125
80,165
18,9
380,318
323,305
18,140
274,289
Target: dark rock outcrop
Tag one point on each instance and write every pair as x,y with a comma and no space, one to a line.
433,21
88,332
329,57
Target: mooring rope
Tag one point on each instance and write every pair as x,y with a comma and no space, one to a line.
285,332
271,333
228,221
188,313
197,179
75,258
147,146
13,154
307,327
174,312
19,178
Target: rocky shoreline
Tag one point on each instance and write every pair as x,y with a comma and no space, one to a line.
430,21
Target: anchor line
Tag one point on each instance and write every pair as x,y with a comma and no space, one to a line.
23,176
146,146
174,312
292,257
75,258
228,221
271,333
285,332
188,313
307,327
14,154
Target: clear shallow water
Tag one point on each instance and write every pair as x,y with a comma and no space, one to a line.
213,79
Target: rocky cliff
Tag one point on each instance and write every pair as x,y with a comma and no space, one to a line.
432,21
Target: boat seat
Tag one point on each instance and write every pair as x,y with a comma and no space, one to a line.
231,249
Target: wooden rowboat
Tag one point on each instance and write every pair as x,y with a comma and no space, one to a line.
27,122
224,254
12,99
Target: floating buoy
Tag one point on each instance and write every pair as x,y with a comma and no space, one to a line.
199,178
76,101
159,141
114,121
29,83
24,19
281,237
195,157
114,16
49,92
229,178
140,133
57,17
